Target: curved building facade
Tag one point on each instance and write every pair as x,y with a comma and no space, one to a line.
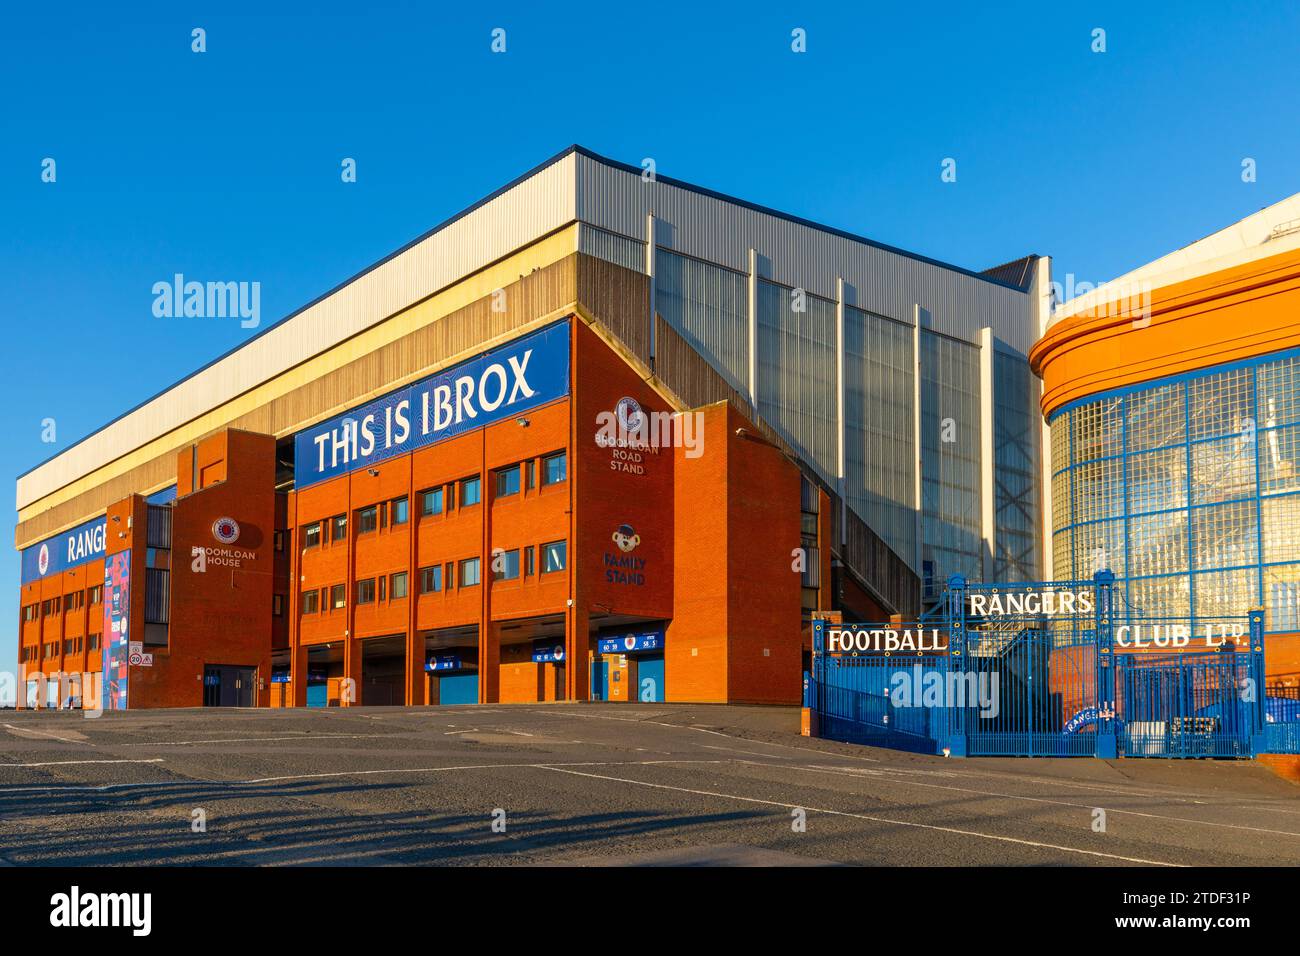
1172,398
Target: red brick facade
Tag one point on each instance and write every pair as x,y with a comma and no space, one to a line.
709,561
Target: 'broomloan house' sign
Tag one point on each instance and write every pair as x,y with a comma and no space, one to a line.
507,381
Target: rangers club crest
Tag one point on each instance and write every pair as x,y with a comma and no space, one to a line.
628,411
43,559
226,530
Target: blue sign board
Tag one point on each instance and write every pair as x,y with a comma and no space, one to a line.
443,662
76,546
631,643
548,651
496,385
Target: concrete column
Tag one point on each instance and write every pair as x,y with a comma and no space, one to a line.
988,462
416,684
839,396
352,667
650,271
916,438
577,640
753,328
489,661
1040,298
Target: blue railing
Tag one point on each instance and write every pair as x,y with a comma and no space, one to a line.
1048,669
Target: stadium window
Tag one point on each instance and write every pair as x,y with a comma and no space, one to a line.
29,612
365,591
339,528
277,605
96,594
311,535
530,474
397,511
528,560
431,579
431,502
507,481
93,642
450,575
397,588
278,539
338,596
505,565
469,572
469,492
553,554
367,519
310,601
555,468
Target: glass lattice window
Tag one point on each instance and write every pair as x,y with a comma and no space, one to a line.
1157,544
1223,470
1225,536
1281,528
1157,418
1157,480
1098,430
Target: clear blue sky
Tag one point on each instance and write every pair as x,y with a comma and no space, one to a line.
225,165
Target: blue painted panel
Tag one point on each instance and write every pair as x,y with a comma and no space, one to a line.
458,689
76,546
599,680
650,679
318,695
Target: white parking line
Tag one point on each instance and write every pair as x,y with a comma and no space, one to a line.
863,816
45,733
64,763
99,788
246,740
879,775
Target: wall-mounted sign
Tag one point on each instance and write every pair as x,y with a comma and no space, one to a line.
75,546
226,530
631,643
548,651
117,642
1049,603
853,640
443,662
625,567
506,381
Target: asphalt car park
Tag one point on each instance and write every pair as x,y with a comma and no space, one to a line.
593,784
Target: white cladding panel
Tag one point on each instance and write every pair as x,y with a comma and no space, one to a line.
884,282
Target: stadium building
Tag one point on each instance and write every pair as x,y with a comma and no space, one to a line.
600,436
1173,399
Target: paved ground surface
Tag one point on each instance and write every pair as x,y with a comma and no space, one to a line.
593,785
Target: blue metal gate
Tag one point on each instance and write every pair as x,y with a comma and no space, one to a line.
1057,669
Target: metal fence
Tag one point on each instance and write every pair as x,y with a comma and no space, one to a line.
1049,669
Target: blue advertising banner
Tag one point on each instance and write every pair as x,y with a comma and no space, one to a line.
117,642
631,643
76,546
548,651
504,382
443,662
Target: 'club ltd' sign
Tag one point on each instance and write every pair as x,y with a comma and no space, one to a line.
512,379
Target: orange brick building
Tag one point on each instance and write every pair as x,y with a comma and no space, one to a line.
593,438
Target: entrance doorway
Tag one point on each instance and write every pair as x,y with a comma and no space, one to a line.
383,671
228,685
